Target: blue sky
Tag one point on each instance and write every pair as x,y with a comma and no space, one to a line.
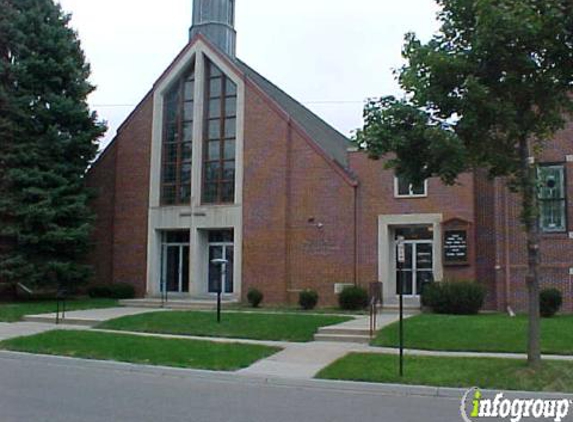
329,54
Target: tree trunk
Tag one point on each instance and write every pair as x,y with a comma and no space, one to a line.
530,216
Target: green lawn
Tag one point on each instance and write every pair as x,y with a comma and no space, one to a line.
280,327
497,374
479,333
11,312
142,350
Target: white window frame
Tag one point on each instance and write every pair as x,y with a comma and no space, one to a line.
411,194
550,230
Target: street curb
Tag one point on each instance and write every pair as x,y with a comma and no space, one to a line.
234,377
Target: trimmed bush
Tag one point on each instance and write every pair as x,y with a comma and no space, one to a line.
431,294
550,301
99,291
112,291
255,297
308,299
454,298
353,298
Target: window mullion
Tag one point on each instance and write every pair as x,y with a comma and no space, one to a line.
221,140
180,118
205,120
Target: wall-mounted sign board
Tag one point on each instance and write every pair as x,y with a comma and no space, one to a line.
456,247
456,242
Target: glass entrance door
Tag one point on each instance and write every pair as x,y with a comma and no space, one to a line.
175,262
418,268
221,246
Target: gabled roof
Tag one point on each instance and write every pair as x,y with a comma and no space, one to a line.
329,139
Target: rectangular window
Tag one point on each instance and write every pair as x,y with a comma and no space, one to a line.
404,189
552,198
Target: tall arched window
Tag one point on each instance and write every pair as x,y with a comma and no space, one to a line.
219,137
178,142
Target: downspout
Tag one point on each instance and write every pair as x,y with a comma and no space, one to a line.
507,252
288,195
355,224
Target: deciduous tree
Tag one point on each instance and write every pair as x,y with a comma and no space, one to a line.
487,91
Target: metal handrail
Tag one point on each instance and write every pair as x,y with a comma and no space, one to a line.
375,299
373,315
61,299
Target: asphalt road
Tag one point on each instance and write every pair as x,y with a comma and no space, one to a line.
37,389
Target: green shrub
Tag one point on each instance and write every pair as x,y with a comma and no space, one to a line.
99,291
550,301
353,298
431,294
112,291
454,298
308,299
255,297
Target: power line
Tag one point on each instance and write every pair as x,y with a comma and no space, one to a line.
318,102
334,102
113,105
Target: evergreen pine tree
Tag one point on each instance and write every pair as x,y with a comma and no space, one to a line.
48,137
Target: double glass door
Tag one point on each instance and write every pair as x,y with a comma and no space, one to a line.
418,268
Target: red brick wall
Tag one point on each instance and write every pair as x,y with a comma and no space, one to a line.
556,249
492,217
264,200
101,178
132,198
321,224
290,189
122,178
487,229
376,197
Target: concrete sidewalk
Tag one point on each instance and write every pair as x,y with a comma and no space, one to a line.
91,317
301,361
304,361
20,329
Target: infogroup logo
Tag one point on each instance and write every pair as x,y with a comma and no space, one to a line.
476,407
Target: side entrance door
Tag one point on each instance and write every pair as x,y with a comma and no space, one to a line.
418,268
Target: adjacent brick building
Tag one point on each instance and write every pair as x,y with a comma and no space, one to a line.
216,162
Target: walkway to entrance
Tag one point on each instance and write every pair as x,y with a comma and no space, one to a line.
90,317
295,361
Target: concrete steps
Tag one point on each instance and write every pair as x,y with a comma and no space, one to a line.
343,335
177,304
358,329
409,309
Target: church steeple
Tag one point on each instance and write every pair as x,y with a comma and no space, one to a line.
215,20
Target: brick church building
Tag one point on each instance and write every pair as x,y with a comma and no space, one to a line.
218,162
